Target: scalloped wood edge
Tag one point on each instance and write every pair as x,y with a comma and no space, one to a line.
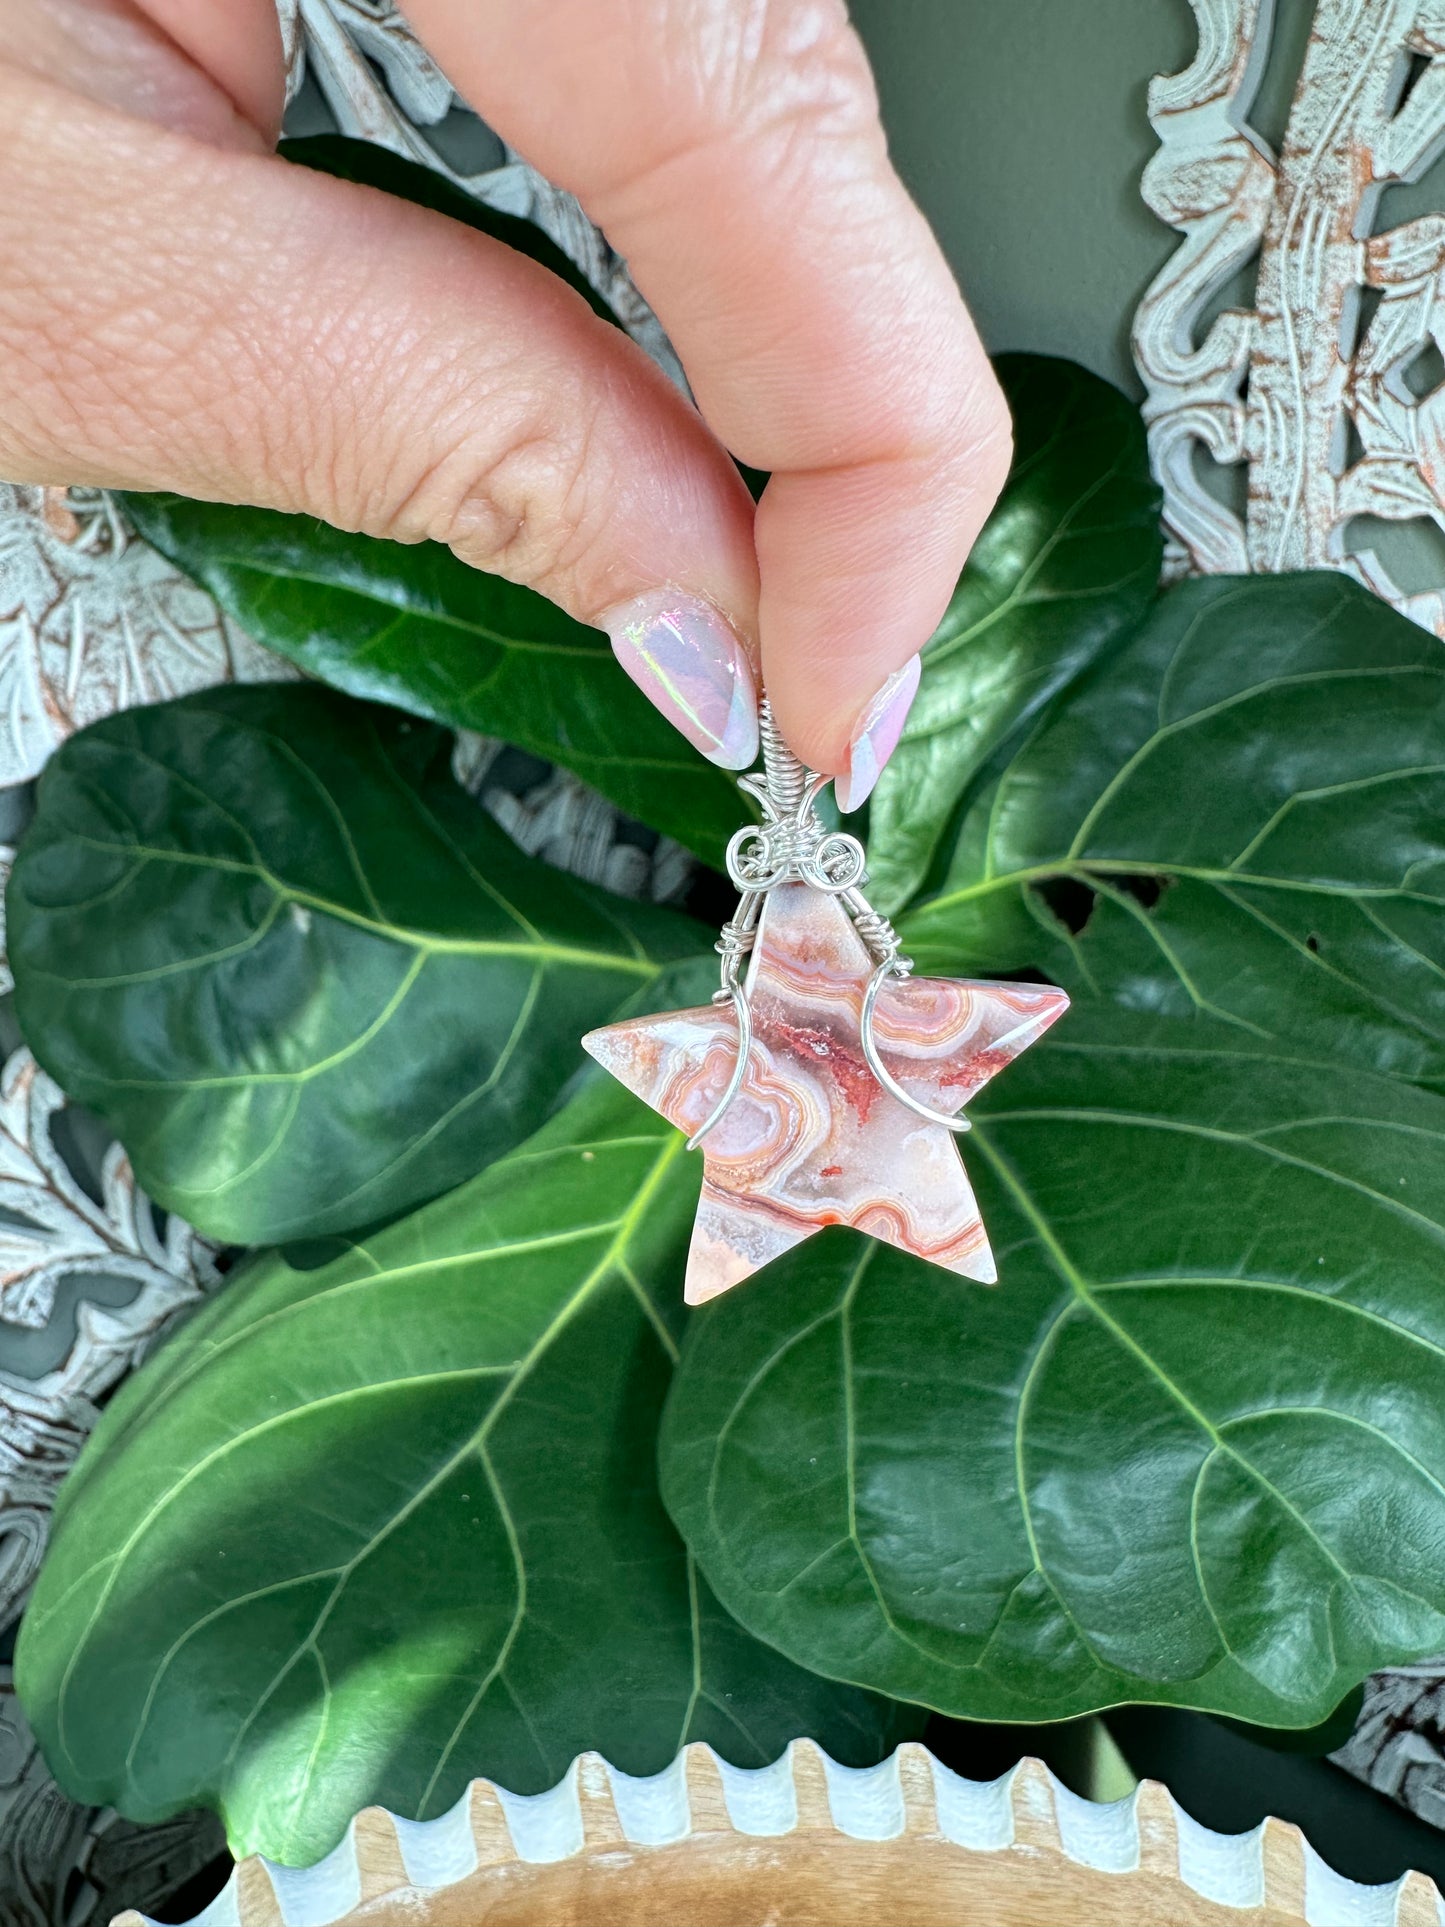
704,1844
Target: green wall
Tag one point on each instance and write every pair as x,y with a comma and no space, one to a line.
1020,127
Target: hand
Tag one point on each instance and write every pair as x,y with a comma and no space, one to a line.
180,310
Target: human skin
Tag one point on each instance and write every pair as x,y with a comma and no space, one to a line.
180,310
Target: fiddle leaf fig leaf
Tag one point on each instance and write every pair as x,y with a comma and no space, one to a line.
1234,817
1191,1448
1066,565
409,624
363,1532
303,976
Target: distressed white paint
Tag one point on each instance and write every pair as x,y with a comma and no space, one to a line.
1274,386
866,1802
652,1811
91,622
548,1826
1227,1867
435,1853
1102,1834
760,1800
978,1814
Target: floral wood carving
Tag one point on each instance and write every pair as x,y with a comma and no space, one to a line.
91,622
50,1227
1318,406
44,1421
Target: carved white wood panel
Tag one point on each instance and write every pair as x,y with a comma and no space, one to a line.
1315,404
91,622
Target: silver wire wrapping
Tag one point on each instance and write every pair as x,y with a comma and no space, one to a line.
792,844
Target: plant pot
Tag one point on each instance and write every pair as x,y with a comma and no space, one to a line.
807,1843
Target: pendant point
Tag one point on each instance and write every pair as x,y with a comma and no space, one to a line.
812,1138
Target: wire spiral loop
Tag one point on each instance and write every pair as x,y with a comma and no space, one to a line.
792,844
795,848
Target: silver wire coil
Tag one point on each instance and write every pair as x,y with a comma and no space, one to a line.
792,844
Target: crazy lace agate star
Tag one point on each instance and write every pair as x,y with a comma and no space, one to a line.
812,1138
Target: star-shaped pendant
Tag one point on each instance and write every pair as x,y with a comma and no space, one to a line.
812,1138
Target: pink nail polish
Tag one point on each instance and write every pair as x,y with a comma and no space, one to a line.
687,659
876,736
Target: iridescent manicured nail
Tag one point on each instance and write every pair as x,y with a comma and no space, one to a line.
876,736
687,659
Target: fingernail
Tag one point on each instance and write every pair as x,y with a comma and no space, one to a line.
876,736
686,658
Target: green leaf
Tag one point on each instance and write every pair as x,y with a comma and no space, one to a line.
303,976
409,624
1243,809
363,1532
1066,566
1190,1450
374,166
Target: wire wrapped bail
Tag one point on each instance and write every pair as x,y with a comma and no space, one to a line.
792,844
786,778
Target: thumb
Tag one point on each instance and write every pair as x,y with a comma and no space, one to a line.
228,326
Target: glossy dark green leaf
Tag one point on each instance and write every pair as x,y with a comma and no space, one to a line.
1191,1449
363,1532
1242,810
304,977
1066,566
409,624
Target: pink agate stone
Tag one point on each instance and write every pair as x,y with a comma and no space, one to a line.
812,1139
